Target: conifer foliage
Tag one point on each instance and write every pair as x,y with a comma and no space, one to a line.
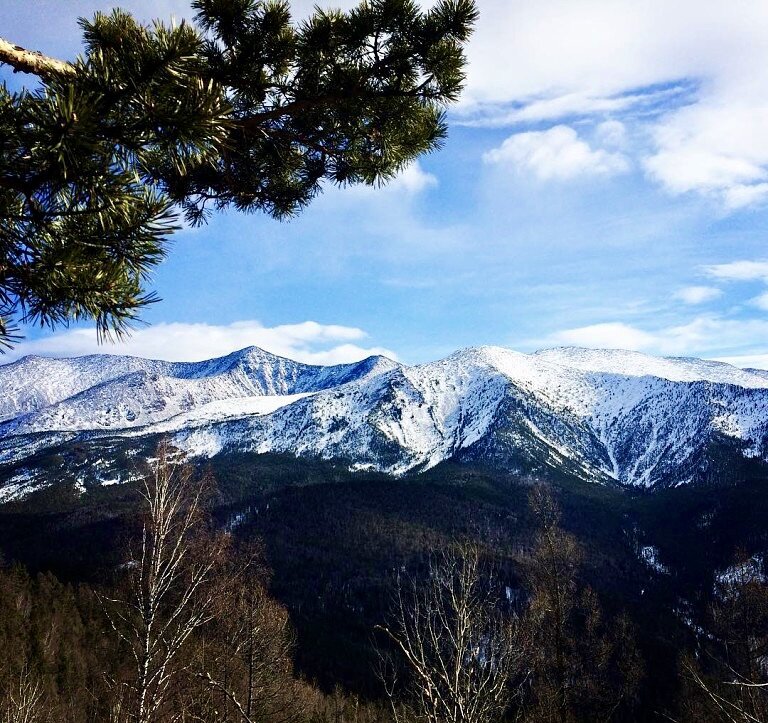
242,107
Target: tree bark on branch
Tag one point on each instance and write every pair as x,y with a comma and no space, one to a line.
32,61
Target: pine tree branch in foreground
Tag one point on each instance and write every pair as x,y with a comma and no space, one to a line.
240,108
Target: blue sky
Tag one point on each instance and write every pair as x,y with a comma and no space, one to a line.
605,183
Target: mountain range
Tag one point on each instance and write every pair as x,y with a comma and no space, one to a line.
610,416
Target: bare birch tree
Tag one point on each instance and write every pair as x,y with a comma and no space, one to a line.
24,699
734,701
729,681
170,588
462,654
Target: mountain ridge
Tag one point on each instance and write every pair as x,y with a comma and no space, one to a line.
612,416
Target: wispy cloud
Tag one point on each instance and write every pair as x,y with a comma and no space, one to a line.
697,294
738,271
742,271
565,106
582,104
308,342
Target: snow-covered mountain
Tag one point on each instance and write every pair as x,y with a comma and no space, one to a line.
609,416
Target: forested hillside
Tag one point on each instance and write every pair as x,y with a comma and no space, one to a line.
659,593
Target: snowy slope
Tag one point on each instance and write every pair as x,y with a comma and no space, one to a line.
635,364
601,415
113,392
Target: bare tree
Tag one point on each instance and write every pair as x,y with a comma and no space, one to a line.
460,651
736,701
24,700
729,681
170,588
552,584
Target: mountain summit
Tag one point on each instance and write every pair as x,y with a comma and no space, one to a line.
610,416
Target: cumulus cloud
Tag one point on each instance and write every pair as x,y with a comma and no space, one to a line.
555,154
697,294
611,134
307,341
409,182
413,179
688,169
741,195
715,148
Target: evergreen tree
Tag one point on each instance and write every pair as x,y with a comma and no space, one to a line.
584,667
242,107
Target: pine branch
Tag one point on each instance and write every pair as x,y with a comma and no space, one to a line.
32,61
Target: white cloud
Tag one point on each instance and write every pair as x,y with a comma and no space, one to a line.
555,154
746,361
308,342
716,148
609,335
572,104
611,134
555,107
761,301
738,271
704,335
741,196
744,271
413,179
697,294
689,169
600,48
